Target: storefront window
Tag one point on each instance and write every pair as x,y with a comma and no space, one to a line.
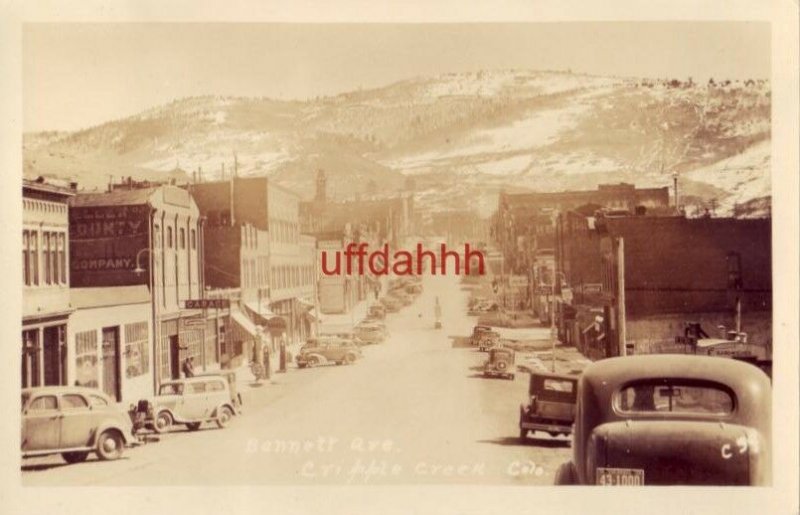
26,272
62,256
136,349
86,359
46,254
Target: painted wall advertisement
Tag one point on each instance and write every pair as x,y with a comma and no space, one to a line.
104,244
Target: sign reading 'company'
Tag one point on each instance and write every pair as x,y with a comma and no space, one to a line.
104,243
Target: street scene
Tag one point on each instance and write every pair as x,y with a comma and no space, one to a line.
415,409
462,274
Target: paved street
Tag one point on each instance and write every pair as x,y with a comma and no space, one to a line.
414,410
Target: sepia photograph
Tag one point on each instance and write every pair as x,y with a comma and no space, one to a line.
476,253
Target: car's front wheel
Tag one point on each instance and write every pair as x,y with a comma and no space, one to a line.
350,359
313,361
75,457
110,445
224,416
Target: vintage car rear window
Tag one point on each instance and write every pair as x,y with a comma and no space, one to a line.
559,385
675,396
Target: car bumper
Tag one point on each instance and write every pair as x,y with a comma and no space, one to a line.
548,428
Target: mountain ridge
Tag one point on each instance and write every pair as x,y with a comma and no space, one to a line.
462,136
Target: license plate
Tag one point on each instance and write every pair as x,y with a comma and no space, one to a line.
619,477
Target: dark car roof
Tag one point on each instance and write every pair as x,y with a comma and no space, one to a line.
631,368
602,379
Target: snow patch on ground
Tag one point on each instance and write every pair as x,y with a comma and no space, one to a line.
746,176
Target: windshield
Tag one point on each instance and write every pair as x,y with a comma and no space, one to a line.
676,397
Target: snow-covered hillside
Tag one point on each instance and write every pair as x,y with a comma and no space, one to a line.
462,137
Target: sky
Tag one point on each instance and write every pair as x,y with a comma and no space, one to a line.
80,75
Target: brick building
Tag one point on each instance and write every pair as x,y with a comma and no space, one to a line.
45,283
656,273
287,288
135,247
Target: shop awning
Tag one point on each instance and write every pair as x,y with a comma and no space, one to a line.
242,322
261,310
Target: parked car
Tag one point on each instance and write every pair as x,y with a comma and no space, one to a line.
230,377
377,311
191,402
391,304
483,307
551,404
320,351
73,421
370,332
349,336
488,340
477,331
413,288
500,363
402,297
671,420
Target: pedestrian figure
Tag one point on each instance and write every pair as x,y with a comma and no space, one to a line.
188,367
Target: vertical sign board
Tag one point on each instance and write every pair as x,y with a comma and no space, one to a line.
104,242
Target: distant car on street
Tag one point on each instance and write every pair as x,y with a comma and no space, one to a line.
191,402
391,304
551,404
371,332
477,331
321,351
377,311
671,420
500,363
74,422
402,297
349,336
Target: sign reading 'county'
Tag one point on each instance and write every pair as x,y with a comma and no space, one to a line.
104,244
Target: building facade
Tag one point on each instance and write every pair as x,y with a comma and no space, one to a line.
646,277
140,235
45,278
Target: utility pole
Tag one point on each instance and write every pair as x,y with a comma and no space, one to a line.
553,332
621,297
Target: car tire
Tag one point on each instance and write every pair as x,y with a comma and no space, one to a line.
224,416
110,445
313,361
565,475
349,359
163,422
75,456
193,426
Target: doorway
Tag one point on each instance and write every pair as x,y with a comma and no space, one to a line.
54,355
111,363
174,357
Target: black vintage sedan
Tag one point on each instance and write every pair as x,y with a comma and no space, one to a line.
671,420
